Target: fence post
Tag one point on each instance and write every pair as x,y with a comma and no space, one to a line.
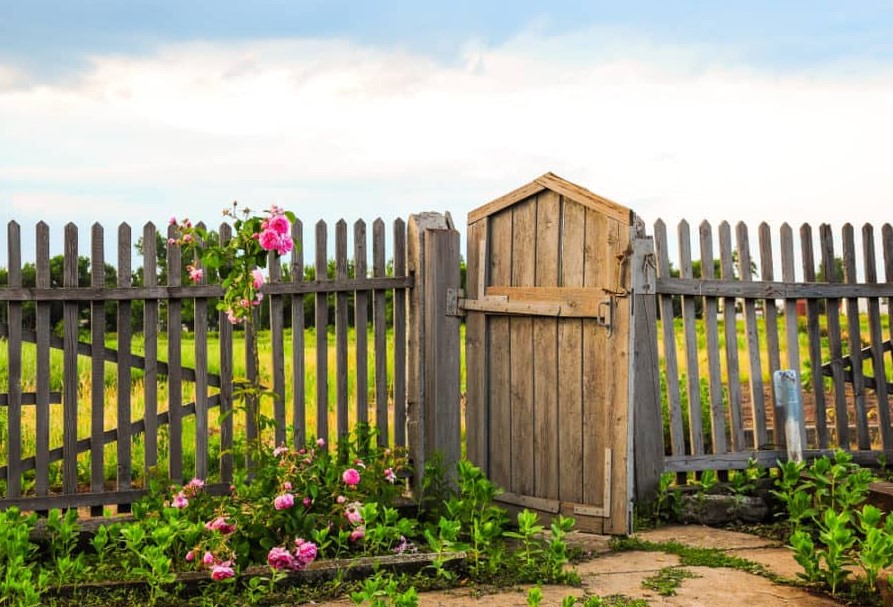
433,409
790,402
644,380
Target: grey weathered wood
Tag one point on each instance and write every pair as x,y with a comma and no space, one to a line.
124,346
14,361
730,330
648,437
711,329
174,361
475,353
341,330
877,340
758,405
547,462
201,381
399,336
251,399
791,326
277,347
361,322
770,313
674,401
299,404
763,290
87,294
855,339
226,383
70,364
832,310
417,398
887,246
322,336
380,335
814,337
43,397
97,362
693,384
150,349
442,429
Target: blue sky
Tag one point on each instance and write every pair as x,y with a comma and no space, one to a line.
133,111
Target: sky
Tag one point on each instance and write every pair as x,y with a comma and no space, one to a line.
739,110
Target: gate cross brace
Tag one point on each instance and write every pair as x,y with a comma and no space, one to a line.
564,302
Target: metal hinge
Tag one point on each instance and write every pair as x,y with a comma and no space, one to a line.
452,302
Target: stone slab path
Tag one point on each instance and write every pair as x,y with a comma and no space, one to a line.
609,573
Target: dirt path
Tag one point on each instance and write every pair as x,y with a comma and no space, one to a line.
622,573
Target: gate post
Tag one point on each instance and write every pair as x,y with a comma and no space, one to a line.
433,395
644,375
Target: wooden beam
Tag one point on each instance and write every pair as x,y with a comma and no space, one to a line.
770,289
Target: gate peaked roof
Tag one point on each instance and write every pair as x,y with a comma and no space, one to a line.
551,181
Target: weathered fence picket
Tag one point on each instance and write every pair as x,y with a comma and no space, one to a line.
213,433
748,424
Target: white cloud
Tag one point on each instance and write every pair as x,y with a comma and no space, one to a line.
337,128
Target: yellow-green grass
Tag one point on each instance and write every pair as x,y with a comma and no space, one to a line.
137,393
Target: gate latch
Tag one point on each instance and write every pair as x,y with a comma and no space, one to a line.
452,302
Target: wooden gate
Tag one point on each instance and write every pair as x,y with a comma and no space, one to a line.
548,349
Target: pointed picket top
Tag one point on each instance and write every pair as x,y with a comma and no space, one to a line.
660,247
705,233
704,227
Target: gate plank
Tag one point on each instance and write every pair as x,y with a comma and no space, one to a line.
815,342
499,352
600,263
854,339
877,340
226,383
476,395
570,359
791,318
277,347
200,345
523,257
832,310
545,353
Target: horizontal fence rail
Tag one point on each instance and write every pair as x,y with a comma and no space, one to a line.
732,313
140,360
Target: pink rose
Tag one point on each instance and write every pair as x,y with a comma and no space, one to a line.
285,245
180,501
208,558
307,502
353,514
190,556
390,476
195,274
357,534
286,485
257,277
340,499
351,477
232,318
279,224
320,442
282,450
172,221
195,483
279,558
269,240
284,501
220,524
222,572
305,553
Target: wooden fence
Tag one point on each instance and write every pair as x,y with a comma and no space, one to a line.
47,461
743,318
